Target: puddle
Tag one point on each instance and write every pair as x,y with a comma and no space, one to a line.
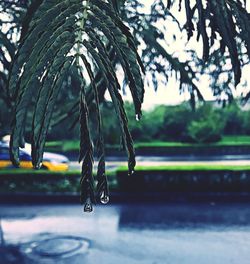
56,247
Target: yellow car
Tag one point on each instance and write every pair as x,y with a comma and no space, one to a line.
51,161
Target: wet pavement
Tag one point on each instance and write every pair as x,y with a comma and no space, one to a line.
183,233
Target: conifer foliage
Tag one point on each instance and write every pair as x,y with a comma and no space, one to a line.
57,35
10,22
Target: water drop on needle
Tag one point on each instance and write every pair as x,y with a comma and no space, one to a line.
104,198
131,173
88,208
137,117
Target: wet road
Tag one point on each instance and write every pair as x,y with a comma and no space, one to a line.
138,233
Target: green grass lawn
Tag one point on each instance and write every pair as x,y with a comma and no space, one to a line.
160,144
112,174
191,167
47,172
226,141
64,145
234,140
73,145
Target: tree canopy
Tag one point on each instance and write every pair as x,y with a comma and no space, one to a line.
94,42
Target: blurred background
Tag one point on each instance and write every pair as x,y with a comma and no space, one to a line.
188,200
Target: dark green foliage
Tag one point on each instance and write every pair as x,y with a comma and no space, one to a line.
246,123
207,129
56,36
18,180
235,120
12,13
5,114
220,15
180,123
176,121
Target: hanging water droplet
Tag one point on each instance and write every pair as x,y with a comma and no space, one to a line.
38,166
137,117
131,172
104,198
88,208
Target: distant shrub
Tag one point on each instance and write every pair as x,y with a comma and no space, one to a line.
207,127
234,120
176,121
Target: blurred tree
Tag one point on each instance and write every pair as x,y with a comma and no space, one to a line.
246,123
176,121
207,125
11,15
205,130
153,122
234,118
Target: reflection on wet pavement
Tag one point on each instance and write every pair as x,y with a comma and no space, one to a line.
48,248
142,233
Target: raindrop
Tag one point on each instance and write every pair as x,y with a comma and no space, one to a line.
131,172
138,117
88,208
104,198
38,166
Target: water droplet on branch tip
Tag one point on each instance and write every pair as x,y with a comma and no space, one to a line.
104,198
88,207
138,117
